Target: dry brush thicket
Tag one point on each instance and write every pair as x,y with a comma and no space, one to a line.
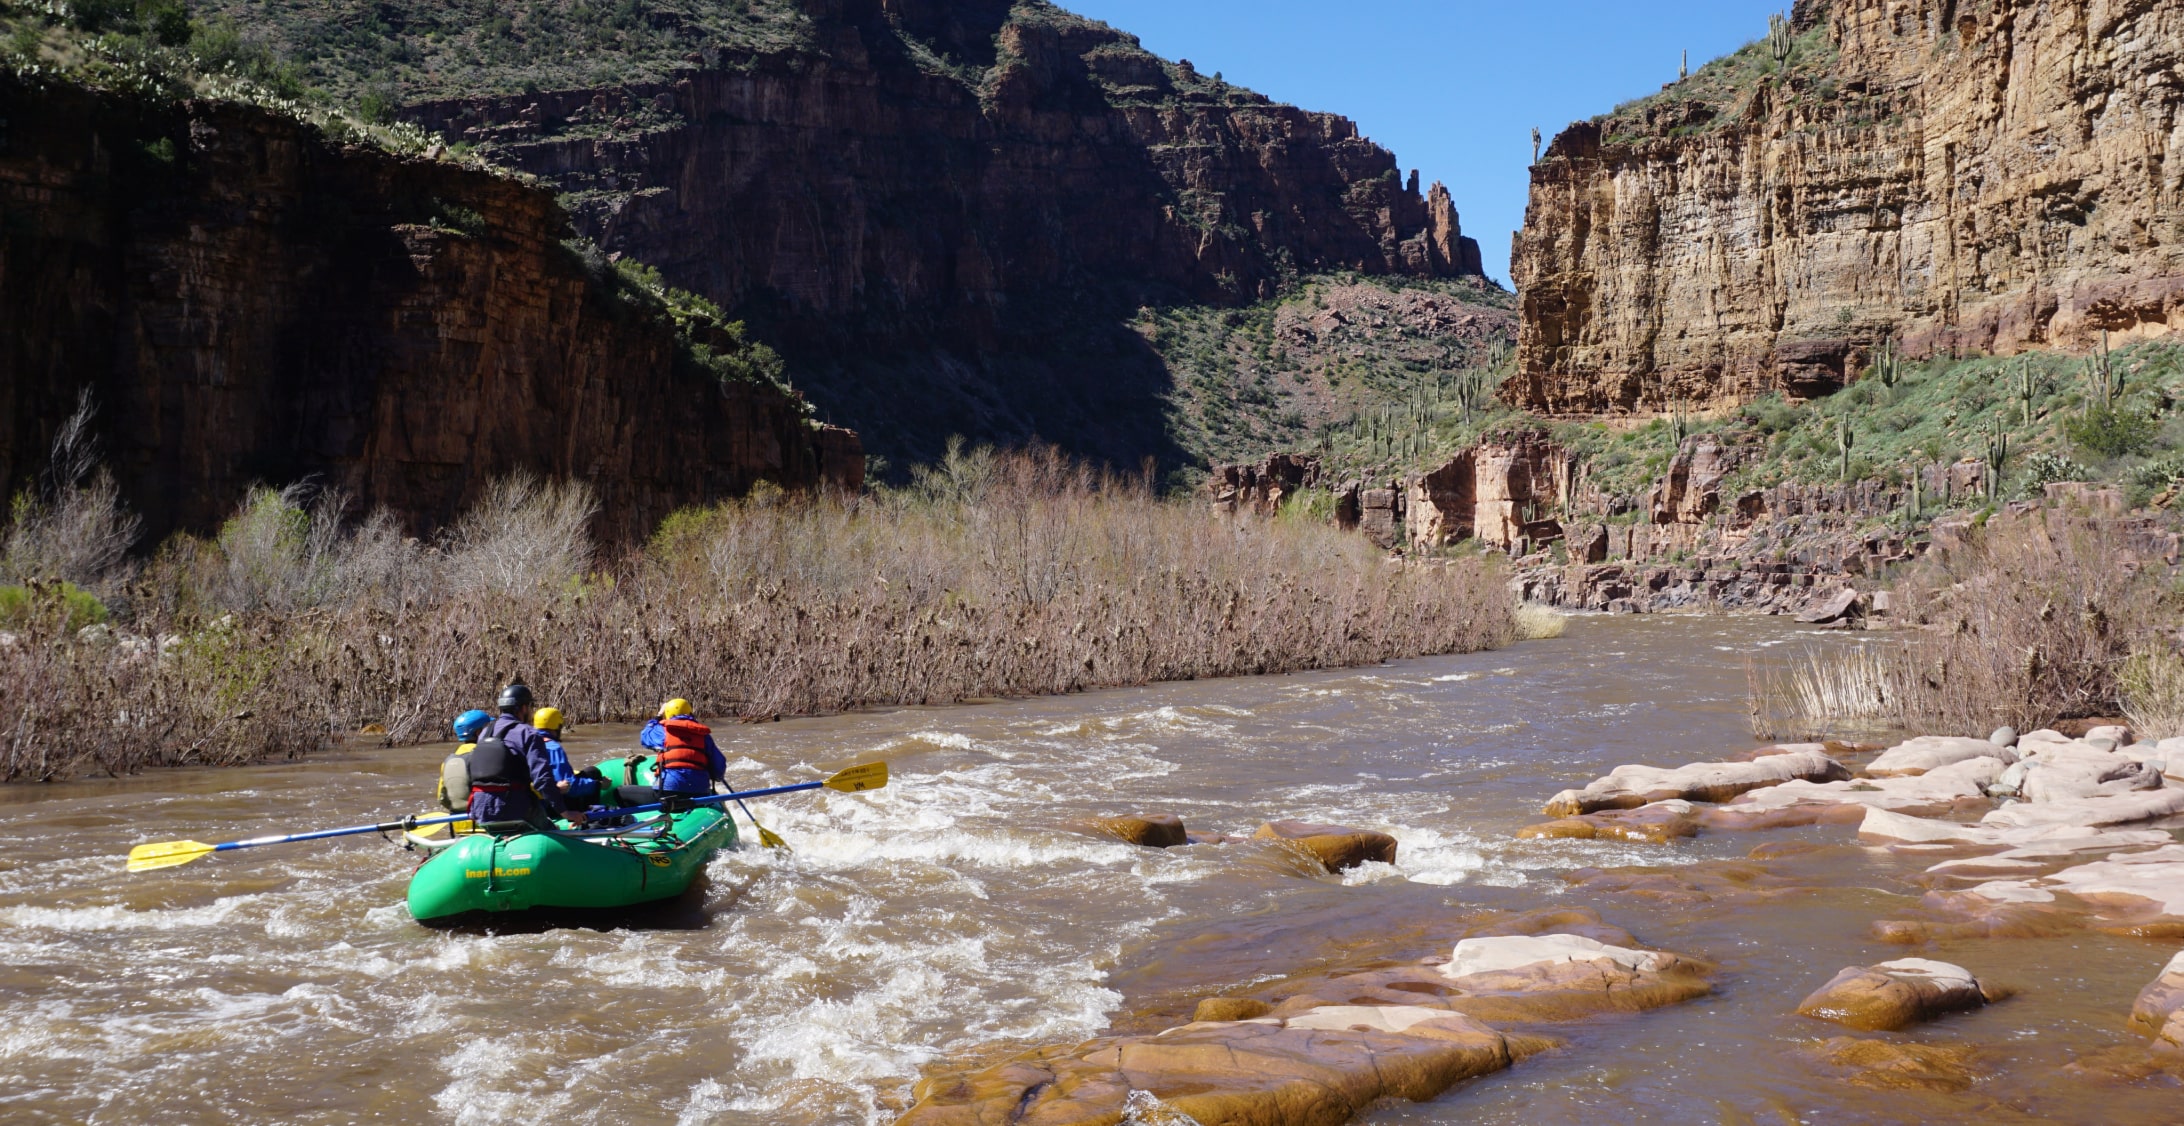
2043,618
991,575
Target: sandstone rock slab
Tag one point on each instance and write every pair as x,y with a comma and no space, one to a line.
1917,756
1629,787
2120,809
1152,830
1653,823
1892,1065
2158,1005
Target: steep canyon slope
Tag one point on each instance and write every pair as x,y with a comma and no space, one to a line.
1990,175
247,300
943,214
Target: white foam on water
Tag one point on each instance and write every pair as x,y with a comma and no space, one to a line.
1455,677
118,918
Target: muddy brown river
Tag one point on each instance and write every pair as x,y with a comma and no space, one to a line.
956,914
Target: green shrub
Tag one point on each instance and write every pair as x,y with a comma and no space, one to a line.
2043,469
19,604
2110,431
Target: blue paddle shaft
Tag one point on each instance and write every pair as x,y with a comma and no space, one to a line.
406,823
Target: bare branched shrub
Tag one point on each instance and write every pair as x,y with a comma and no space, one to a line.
991,575
2030,623
523,535
74,526
2153,691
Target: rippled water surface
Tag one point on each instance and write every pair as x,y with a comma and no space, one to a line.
958,913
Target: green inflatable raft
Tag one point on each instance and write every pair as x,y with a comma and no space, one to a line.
655,857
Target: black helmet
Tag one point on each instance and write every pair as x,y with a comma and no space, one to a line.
516,697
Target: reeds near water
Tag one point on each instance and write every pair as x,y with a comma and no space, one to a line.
992,575
2037,619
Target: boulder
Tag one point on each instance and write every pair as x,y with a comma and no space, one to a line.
1839,606
1153,830
1628,787
2159,1005
1928,752
1653,823
1891,1065
1335,846
1888,996
2004,736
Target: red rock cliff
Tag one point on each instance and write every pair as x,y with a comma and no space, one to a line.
1971,174
926,241
249,302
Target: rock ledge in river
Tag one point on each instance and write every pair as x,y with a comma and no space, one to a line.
2159,1010
1151,830
1628,787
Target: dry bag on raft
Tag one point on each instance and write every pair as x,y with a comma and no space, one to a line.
455,783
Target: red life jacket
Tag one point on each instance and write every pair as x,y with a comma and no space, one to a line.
685,750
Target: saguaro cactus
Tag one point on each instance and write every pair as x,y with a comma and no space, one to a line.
1779,41
1998,456
1535,144
1884,363
1845,438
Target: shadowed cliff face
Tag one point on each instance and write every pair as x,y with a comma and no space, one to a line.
1958,174
248,302
942,214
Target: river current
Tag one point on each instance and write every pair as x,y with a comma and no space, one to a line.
957,915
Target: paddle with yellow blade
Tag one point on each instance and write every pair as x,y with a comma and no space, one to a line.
168,854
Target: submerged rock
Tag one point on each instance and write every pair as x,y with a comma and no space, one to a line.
1629,787
1891,1065
1888,996
1336,846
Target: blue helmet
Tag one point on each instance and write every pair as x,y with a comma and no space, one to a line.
468,724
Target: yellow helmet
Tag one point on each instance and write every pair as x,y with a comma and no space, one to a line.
675,707
547,719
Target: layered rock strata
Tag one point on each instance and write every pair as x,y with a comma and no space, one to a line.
1993,176
943,213
248,301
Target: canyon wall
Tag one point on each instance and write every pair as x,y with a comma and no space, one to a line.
1992,175
943,212
246,302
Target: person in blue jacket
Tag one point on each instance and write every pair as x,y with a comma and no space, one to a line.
681,742
579,789
511,775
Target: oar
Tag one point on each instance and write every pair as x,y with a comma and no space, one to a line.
766,836
870,776
169,854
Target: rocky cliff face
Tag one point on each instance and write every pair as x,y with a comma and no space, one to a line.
1956,174
942,213
249,302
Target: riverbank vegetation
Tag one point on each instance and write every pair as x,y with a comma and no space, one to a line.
991,574
2037,618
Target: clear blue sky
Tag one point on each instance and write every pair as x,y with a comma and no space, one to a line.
1454,87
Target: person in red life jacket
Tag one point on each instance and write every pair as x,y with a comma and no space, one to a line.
511,771
688,762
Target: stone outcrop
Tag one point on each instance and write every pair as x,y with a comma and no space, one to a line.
1890,995
1503,492
1152,830
1260,489
951,247
248,301
1997,177
1918,755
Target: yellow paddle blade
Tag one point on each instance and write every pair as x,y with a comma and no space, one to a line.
870,776
434,830
165,854
769,838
